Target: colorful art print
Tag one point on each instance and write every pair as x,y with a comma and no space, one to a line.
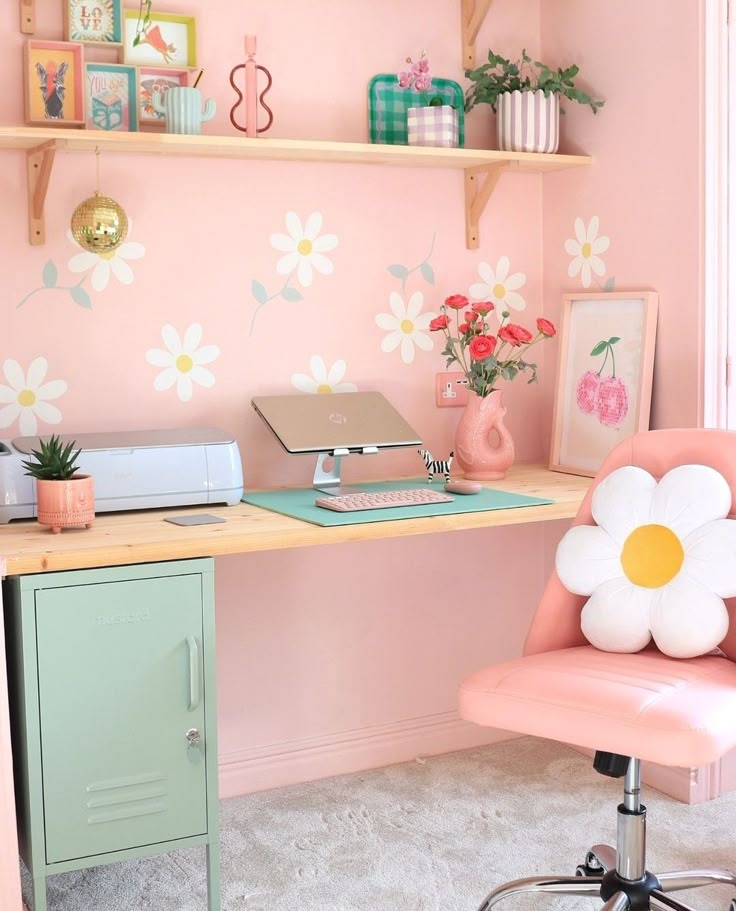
54,83
604,381
168,40
112,97
93,21
156,80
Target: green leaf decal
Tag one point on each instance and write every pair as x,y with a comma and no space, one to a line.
599,349
427,273
259,292
399,271
292,295
81,297
50,274
613,339
610,284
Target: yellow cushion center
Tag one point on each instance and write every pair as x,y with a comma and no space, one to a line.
652,556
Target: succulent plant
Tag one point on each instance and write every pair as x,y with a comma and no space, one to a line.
55,461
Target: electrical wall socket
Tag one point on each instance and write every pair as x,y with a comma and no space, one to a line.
451,389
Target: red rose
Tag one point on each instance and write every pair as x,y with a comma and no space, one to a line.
456,301
546,327
482,347
463,328
514,334
483,307
439,322
469,316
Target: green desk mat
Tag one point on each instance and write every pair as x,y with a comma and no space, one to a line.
298,502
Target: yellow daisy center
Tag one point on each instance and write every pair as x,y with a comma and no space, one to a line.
304,247
407,326
108,254
586,250
184,363
323,387
652,556
499,291
26,398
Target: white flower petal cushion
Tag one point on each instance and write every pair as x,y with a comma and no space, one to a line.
658,563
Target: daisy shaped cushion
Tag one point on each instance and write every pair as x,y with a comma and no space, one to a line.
657,565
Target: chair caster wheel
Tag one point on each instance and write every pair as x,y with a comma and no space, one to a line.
732,906
593,867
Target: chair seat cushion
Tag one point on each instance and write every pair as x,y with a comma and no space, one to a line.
677,712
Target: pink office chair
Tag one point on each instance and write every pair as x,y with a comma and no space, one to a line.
626,707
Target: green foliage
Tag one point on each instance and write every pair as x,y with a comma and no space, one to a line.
144,20
500,75
54,461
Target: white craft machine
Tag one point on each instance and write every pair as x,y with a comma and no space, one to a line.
138,469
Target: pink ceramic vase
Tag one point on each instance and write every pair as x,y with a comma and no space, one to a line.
65,504
483,446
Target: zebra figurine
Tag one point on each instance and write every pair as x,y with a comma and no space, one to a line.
436,466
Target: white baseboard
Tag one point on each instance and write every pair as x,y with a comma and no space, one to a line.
293,761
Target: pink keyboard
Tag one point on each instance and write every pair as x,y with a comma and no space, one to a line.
383,499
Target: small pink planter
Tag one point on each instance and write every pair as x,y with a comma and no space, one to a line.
528,122
66,504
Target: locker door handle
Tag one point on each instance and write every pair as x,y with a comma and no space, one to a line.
193,673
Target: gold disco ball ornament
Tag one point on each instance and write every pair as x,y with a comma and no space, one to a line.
99,224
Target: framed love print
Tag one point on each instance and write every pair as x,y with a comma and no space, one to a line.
167,40
53,76
604,379
94,21
112,97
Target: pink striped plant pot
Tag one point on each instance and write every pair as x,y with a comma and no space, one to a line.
528,122
433,126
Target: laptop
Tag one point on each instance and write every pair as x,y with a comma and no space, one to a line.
335,423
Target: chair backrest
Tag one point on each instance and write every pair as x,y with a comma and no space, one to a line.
556,623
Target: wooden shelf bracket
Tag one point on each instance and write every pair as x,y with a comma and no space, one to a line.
479,186
27,16
473,13
40,165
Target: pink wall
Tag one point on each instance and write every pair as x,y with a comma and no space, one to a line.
335,658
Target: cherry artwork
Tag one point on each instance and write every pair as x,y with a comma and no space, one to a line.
604,396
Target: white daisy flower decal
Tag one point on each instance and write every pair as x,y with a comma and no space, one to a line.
27,396
103,265
406,324
304,248
658,564
183,361
585,249
499,287
322,379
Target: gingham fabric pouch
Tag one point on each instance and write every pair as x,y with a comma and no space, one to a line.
433,126
388,105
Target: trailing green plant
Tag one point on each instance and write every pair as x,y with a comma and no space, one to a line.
54,461
500,76
144,20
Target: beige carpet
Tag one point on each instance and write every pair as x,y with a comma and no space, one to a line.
430,835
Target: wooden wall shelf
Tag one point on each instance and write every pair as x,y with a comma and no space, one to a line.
482,167
472,13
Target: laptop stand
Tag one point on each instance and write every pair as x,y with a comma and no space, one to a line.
327,480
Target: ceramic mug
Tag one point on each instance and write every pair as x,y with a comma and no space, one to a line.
182,108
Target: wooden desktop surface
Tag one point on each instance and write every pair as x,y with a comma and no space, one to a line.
143,536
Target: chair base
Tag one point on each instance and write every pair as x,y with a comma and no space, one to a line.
619,875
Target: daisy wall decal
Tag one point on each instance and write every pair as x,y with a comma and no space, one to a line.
104,265
585,249
323,379
183,361
304,251
499,286
406,325
26,397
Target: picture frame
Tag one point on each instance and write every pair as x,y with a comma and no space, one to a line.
152,79
48,67
111,97
94,22
169,40
604,378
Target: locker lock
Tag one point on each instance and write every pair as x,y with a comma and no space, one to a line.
193,737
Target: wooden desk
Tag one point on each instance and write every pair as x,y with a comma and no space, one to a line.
141,537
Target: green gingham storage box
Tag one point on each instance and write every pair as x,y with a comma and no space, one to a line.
388,104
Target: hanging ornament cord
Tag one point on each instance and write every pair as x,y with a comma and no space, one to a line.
97,160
